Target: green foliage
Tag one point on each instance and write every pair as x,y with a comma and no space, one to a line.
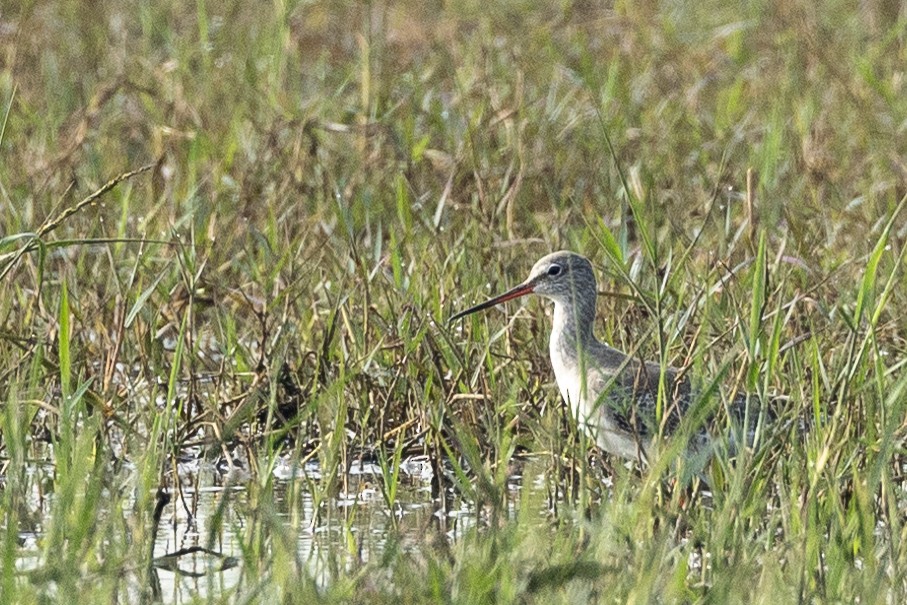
308,190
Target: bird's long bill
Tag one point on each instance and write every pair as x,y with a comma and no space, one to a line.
521,290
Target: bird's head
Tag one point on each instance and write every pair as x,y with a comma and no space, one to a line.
564,277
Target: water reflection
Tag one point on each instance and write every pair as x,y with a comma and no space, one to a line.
346,530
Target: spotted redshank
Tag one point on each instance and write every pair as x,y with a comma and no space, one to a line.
612,395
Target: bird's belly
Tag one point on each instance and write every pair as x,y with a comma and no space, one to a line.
593,416
618,442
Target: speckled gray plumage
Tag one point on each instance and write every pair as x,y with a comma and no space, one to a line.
612,396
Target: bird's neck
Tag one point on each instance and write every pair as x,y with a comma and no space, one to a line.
572,329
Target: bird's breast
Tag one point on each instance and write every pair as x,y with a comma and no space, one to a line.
593,416
569,381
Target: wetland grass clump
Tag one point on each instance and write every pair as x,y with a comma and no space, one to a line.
307,192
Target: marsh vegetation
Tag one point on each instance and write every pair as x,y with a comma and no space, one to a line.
299,194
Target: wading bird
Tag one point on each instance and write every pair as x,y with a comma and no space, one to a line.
612,395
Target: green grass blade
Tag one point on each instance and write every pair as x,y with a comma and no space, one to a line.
867,286
65,332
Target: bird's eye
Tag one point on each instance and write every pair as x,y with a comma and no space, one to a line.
554,270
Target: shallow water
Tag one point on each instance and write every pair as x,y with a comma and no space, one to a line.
356,524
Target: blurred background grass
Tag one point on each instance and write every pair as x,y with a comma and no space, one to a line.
328,179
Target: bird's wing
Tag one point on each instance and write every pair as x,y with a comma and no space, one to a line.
631,396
